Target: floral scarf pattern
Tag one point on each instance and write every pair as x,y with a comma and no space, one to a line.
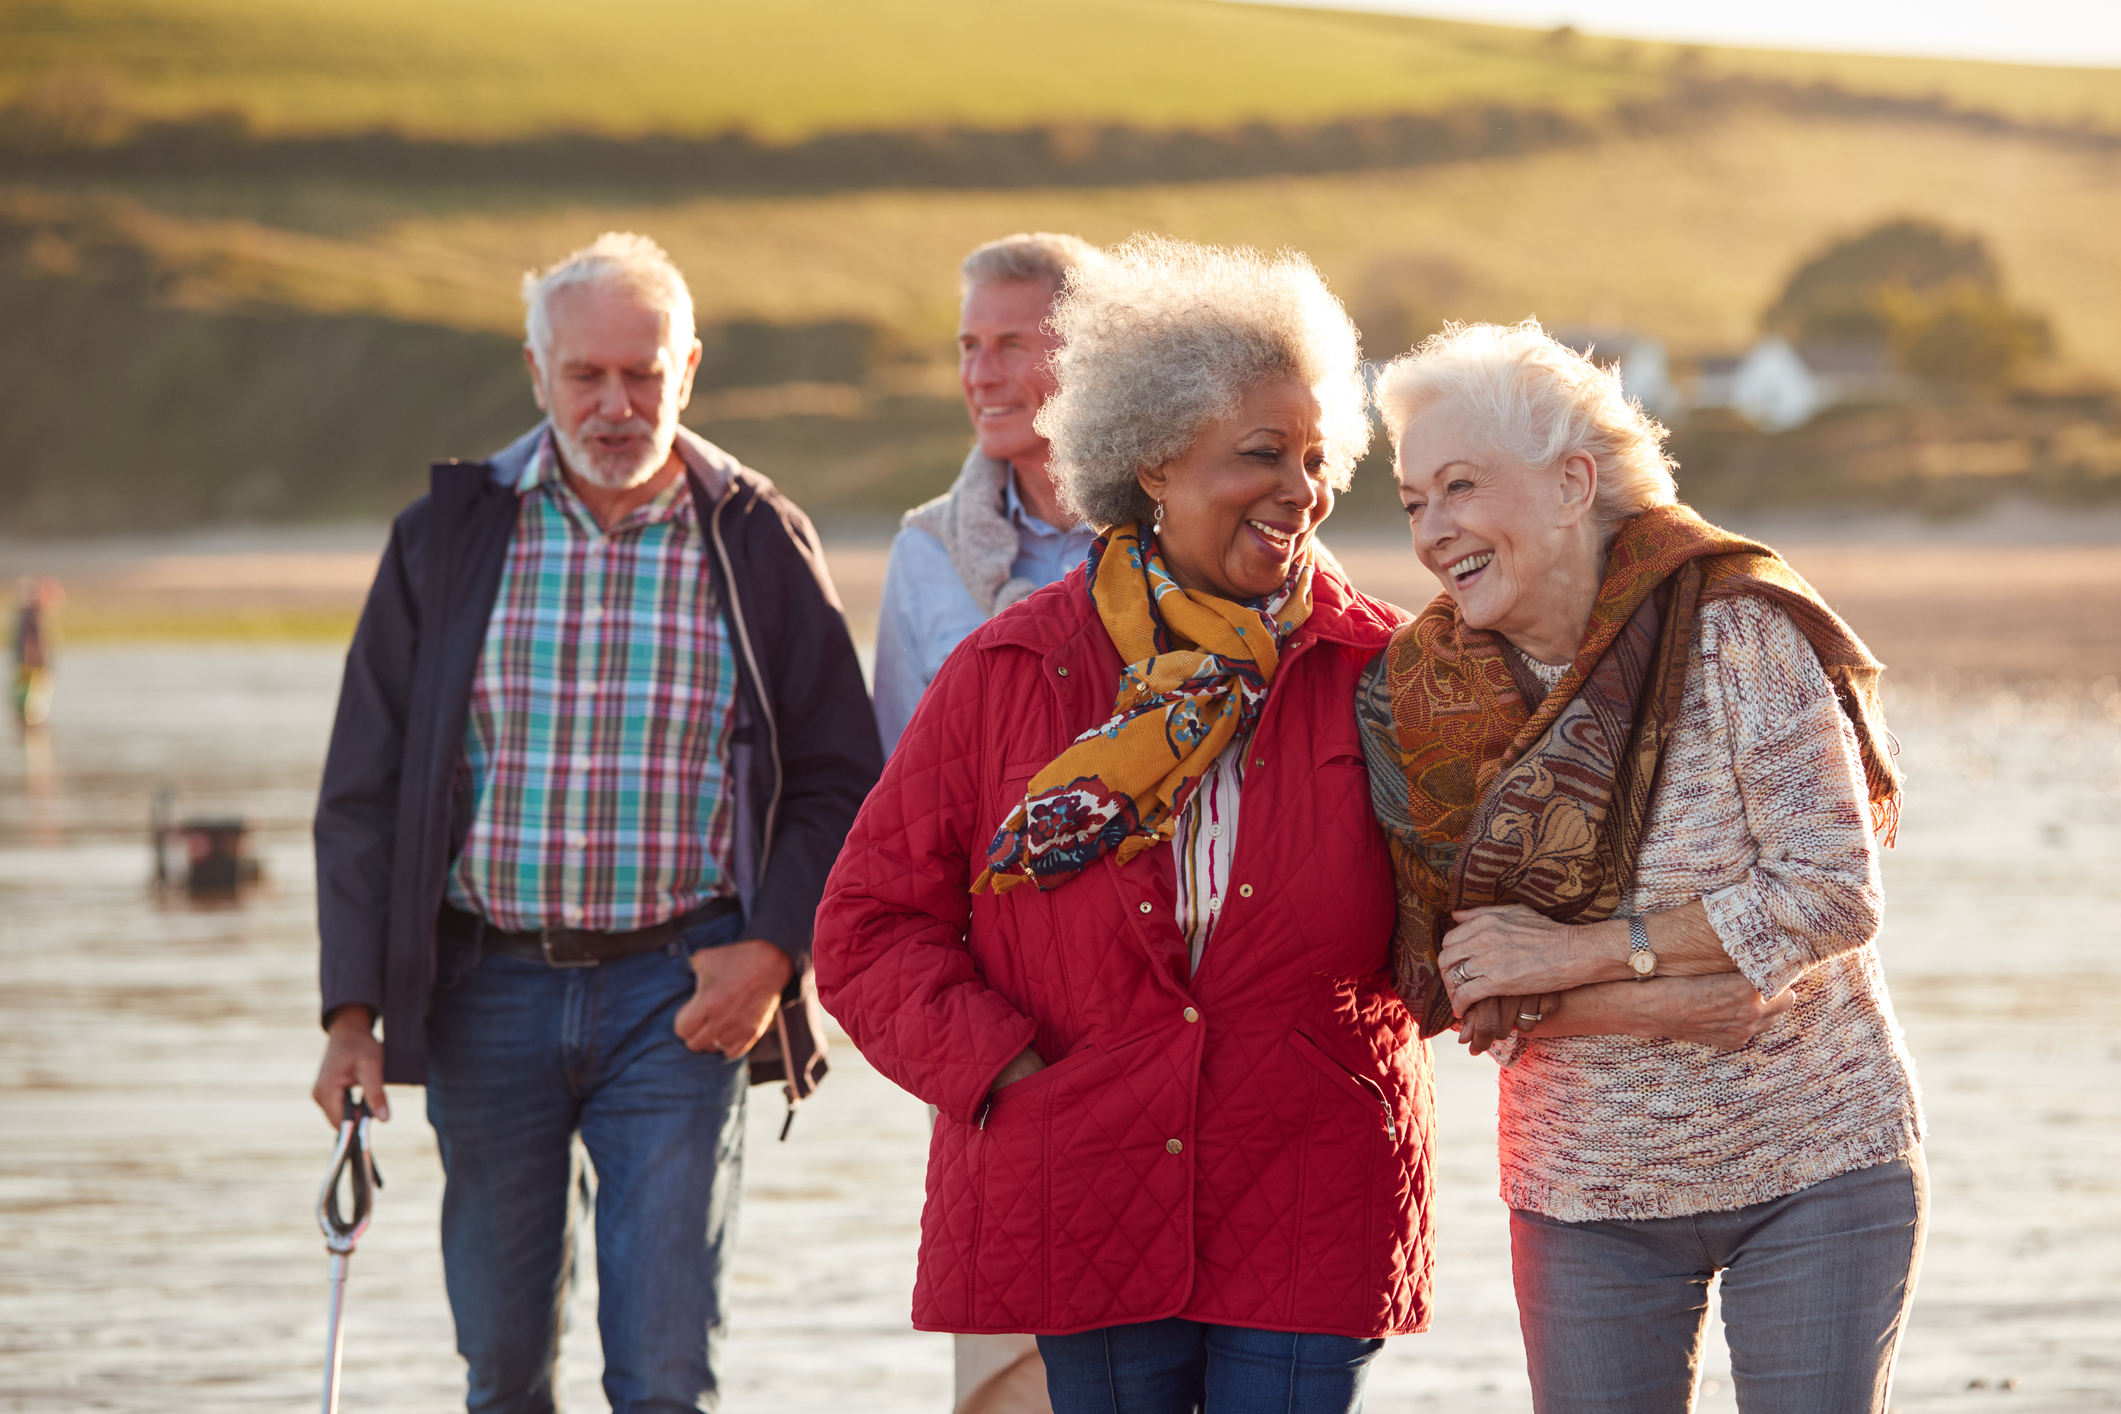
1492,790
1198,670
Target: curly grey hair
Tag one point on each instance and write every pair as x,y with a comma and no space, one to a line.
1540,400
1164,337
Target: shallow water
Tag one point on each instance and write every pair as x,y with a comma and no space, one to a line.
159,1156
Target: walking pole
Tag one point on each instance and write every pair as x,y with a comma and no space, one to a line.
351,1159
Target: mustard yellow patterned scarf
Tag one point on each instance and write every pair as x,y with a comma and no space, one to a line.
1198,669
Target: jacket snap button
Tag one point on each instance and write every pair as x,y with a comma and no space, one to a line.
1192,1015
1145,908
1244,891
1173,1145
1062,671
1259,760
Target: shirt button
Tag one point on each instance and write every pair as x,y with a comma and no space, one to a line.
572,913
1192,1015
1145,908
586,684
1174,1146
1215,832
1215,901
577,840
1062,671
579,762
1244,891
596,611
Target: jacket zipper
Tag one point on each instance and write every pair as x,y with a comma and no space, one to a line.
758,679
773,744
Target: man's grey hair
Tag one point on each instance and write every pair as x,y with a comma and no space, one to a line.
1027,257
614,260
1165,337
1537,400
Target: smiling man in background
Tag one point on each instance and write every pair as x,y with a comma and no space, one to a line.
999,532
601,735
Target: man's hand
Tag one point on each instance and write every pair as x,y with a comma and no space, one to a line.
352,1056
739,987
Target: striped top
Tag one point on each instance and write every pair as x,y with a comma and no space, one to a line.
595,759
1203,844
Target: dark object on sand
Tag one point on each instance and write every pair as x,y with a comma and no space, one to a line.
211,853
354,1165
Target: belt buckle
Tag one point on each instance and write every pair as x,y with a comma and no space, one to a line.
545,947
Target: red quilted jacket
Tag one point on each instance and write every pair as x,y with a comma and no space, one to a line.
1251,1145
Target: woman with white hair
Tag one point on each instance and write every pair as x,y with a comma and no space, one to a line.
1635,774
1184,1119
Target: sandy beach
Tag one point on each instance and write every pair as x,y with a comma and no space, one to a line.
159,1157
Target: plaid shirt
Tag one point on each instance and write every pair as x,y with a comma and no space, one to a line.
596,752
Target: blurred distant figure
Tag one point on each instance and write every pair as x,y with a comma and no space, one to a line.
999,532
601,734
37,598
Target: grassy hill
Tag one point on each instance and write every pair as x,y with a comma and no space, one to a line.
793,69
299,342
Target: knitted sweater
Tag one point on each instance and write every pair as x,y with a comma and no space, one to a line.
1759,812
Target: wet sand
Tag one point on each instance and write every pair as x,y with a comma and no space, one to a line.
159,1157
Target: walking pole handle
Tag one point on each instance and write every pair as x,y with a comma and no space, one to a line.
351,1159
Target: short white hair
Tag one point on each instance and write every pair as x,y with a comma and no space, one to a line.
1162,338
1028,257
1537,400
615,260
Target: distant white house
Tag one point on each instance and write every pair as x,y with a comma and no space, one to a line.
1645,369
1777,385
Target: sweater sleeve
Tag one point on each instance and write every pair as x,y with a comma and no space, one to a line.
1812,891
893,963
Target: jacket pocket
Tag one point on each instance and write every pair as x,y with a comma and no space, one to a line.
1360,1088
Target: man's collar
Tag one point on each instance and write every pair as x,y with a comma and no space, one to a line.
542,472
1020,514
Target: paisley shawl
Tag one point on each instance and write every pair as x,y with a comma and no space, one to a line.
1198,669
1490,793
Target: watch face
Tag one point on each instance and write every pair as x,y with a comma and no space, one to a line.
1644,963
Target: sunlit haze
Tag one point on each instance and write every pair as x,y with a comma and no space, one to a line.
2072,32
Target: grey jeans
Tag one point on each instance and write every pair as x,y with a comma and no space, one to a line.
1816,1288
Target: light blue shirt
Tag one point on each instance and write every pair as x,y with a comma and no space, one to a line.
927,611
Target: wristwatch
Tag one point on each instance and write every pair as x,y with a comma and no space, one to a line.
1640,958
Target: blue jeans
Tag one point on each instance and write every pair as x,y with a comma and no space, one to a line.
522,1057
1816,1287
1177,1367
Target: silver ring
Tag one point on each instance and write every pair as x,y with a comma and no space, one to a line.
1460,973
1534,1017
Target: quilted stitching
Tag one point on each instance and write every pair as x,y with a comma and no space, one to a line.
1288,1205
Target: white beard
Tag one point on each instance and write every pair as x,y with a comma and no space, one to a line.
613,473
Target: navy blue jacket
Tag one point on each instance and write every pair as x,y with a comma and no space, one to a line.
804,749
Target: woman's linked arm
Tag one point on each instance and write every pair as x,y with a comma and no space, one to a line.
1813,890
892,962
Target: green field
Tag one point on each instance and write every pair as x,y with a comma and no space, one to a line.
791,69
299,346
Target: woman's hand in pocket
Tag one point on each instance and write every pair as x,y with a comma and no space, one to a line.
1025,1065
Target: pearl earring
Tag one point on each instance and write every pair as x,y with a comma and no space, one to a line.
1156,526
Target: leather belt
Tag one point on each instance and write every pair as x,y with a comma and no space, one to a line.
575,947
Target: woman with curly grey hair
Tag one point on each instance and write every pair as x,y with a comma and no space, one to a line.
1635,776
1184,1118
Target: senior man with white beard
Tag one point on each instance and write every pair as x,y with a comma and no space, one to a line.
601,734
